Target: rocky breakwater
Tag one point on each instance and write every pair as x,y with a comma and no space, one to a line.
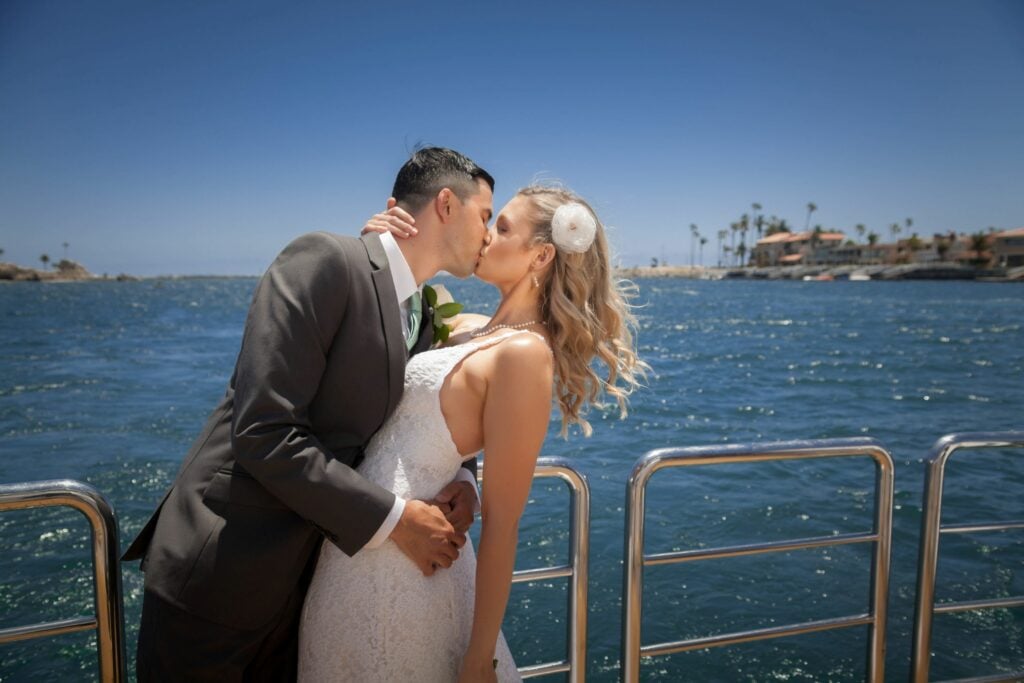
64,271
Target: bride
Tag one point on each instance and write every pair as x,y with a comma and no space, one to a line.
375,616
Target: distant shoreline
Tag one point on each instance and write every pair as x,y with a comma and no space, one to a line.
915,271
69,271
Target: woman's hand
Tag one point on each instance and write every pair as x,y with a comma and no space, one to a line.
477,670
395,220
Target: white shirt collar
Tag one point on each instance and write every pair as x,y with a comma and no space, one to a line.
401,273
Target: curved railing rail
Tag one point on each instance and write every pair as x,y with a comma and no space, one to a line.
928,556
636,560
108,621
575,662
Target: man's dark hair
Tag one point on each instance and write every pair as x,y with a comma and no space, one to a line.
432,169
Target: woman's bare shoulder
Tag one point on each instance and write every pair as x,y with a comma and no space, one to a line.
524,352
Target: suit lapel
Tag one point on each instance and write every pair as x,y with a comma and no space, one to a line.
390,317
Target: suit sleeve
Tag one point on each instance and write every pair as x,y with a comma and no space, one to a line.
296,311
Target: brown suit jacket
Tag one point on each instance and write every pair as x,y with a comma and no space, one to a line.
321,368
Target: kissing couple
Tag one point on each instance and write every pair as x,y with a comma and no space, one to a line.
343,422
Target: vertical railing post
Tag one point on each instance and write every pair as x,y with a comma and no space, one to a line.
575,662
927,562
109,615
928,549
633,567
880,564
579,560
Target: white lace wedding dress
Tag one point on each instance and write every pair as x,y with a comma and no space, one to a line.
374,617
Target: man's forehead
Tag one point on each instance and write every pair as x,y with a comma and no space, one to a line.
484,196
484,193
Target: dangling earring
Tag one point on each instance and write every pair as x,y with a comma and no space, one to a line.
536,282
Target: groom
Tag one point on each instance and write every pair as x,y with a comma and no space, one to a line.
230,550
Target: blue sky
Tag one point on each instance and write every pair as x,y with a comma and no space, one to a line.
201,136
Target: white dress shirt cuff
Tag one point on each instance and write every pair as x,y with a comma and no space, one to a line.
390,522
466,475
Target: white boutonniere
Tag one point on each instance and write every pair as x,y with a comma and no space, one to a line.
444,307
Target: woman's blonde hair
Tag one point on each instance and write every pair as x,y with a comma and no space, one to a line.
587,314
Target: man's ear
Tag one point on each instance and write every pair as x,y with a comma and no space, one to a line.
443,204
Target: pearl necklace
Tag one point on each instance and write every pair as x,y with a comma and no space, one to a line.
479,332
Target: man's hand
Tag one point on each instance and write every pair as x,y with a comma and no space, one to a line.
426,537
457,500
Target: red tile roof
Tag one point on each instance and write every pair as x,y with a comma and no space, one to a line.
801,237
777,237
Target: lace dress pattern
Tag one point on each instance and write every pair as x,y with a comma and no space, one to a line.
374,616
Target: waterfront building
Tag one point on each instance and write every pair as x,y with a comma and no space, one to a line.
1008,248
818,248
769,250
803,248
963,251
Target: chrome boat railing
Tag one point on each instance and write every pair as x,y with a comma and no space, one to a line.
575,662
928,556
108,621
635,559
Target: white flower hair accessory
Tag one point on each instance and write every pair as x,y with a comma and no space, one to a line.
573,228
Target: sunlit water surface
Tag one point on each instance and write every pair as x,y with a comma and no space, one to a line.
109,382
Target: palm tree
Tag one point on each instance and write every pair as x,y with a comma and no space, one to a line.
909,222
758,218
65,251
811,208
694,234
776,225
895,230
45,258
1,252
703,241
734,227
816,236
979,242
744,226
740,252
722,234
872,238
861,229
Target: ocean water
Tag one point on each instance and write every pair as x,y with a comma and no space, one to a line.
109,382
